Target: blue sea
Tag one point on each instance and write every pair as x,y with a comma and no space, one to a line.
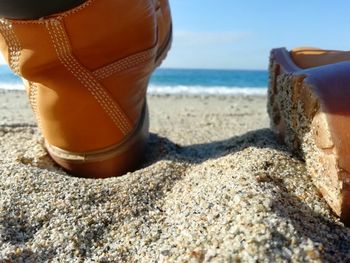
185,81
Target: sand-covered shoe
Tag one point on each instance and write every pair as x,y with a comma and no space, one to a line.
309,108
86,72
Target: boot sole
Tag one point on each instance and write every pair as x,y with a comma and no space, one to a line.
299,120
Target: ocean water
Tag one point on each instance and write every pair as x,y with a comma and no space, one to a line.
209,82
185,81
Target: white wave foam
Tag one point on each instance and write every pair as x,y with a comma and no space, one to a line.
182,90
10,86
200,90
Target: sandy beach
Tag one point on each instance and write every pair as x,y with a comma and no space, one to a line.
215,187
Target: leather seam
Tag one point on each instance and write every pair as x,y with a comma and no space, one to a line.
164,49
121,117
89,81
63,51
14,46
125,63
33,99
134,59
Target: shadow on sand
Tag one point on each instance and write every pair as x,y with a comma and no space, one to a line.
289,207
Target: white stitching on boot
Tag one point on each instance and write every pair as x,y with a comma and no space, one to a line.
63,50
125,63
33,100
14,46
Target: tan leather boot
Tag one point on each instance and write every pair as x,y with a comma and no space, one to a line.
86,72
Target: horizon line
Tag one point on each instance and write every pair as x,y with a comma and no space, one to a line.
223,69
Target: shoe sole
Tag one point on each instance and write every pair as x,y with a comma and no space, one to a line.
298,118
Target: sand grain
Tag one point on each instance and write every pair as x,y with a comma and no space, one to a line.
216,187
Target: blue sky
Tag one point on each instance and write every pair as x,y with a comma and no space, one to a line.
238,34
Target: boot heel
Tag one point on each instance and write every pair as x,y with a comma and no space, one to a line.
112,161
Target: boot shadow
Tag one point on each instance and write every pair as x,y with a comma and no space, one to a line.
162,148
